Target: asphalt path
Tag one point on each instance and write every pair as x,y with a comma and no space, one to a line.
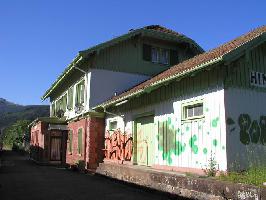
21,179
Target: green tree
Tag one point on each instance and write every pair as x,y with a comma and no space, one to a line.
15,134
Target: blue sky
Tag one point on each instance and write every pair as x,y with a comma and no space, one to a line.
38,39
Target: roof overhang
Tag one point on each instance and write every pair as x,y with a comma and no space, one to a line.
226,58
70,68
138,32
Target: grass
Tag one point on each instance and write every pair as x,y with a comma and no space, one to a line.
253,176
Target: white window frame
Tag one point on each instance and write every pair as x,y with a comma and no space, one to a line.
109,124
184,107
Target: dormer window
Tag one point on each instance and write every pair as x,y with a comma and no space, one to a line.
159,55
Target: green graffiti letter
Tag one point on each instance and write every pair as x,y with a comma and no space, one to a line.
254,132
194,147
179,148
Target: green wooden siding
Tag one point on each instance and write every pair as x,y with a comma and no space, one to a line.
238,74
80,141
145,138
126,56
70,139
202,81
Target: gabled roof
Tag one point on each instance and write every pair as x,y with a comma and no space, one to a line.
189,66
154,31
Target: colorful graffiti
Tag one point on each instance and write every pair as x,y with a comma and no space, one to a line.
251,131
175,140
118,146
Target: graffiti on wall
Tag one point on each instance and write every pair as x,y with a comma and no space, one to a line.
168,144
118,146
174,140
250,131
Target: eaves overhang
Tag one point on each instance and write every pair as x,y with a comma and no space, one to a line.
225,57
138,32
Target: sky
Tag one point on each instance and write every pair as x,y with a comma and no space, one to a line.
39,38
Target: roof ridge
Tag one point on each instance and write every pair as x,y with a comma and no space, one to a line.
160,28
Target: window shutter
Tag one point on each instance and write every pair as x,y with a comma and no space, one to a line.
70,98
82,93
77,95
146,52
80,141
173,57
70,140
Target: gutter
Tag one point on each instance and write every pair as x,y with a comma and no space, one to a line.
180,75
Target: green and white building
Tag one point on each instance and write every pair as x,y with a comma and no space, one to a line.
211,106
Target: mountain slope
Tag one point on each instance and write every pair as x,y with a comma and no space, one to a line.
10,112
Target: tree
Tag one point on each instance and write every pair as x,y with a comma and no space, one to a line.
15,134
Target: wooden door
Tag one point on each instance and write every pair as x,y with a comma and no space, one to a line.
56,149
145,140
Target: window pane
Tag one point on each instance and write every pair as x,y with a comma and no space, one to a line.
164,59
195,110
154,55
113,125
198,110
189,111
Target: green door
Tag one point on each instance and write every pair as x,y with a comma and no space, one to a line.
145,140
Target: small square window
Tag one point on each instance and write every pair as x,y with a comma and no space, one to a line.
192,111
112,125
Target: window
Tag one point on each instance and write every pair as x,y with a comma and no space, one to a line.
112,125
164,58
159,55
80,141
80,93
64,102
57,106
191,111
155,55
70,99
70,139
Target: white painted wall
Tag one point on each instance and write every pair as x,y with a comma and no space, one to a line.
212,128
104,84
243,148
100,85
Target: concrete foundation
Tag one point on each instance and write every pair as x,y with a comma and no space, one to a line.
180,184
